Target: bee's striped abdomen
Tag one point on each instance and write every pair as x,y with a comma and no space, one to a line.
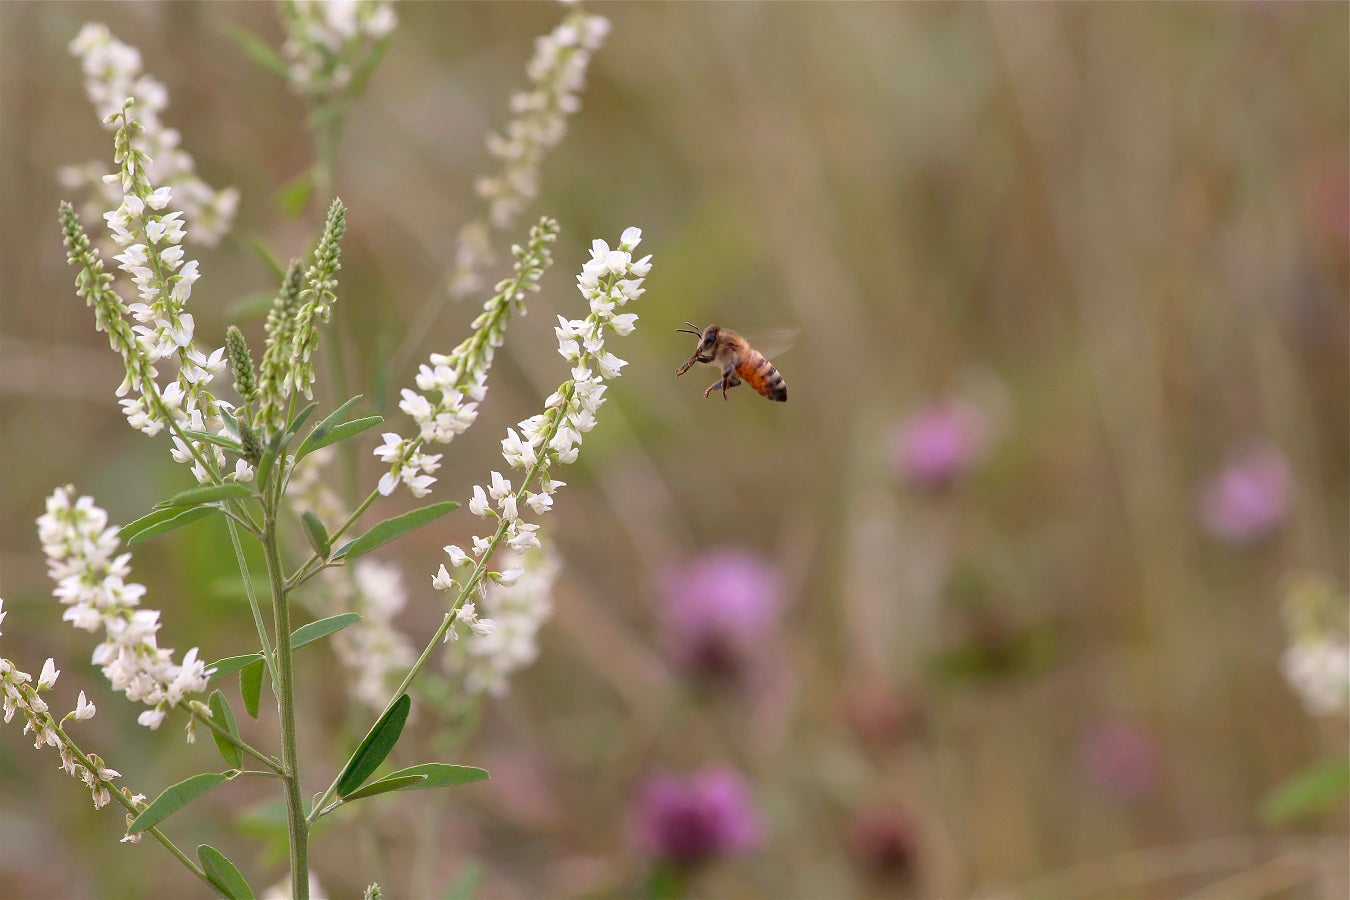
761,375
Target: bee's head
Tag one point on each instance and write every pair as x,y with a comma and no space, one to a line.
706,336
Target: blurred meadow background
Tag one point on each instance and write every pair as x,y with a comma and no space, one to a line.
991,607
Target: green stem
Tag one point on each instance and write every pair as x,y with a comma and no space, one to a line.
253,601
130,807
290,757
241,745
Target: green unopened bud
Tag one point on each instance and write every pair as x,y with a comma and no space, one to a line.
241,364
253,445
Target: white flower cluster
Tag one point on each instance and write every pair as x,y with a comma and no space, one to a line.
18,693
327,41
372,649
113,73
1319,671
458,381
90,579
608,281
518,611
558,72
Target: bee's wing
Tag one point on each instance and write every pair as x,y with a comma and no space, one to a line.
772,342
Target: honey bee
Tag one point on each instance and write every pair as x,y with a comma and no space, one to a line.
738,361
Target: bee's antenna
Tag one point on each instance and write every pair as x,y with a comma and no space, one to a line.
687,331
693,326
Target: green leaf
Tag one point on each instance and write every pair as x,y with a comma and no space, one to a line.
224,717
293,196
1310,791
391,529
226,442
308,634
376,746
232,664
207,493
231,425
131,529
269,458
321,430
223,874
346,430
177,520
384,786
435,775
298,422
250,687
250,306
175,798
316,534
258,50
259,246
466,885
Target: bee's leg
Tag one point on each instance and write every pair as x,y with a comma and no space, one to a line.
729,380
716,386
685,368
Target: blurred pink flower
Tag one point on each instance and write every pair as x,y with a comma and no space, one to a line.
689,820
1121,759
1249,498
719,607
938,444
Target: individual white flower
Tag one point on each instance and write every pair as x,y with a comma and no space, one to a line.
243,472
478,505
458,558
443,581
49,675
83,708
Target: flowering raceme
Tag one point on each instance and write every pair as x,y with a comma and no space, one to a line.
453,385
113,73
518,602
18,693
328,41
90,575
608,281
558,73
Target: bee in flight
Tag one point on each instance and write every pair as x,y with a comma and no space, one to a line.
738,361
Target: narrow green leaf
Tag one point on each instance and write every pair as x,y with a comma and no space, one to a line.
437,775
321,430
176,521
376,746
466,885
259,246
384,786
269,458
249,306
258,50
232,664
223,873
224,717
298,422
231,425
175,798
250,687
207,493
316,534
226,442
322,628
131,529
391,529
1309,791
346,430
293,196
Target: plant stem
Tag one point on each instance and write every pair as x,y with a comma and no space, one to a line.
290,757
